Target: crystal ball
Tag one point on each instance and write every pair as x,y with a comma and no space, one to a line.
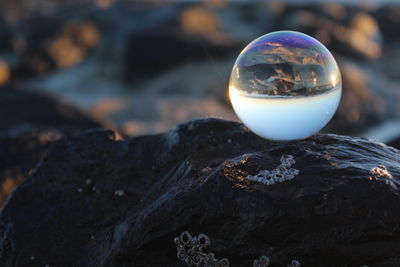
285,85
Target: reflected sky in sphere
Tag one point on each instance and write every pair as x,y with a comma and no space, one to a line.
285,85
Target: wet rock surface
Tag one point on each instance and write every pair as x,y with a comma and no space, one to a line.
29,122
97,201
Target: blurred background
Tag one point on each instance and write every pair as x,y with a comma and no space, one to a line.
141,67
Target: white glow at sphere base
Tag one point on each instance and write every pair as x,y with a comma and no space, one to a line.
285,85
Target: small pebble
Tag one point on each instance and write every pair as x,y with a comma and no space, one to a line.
119,193
80,190
32,258
95,189
88,181
206,169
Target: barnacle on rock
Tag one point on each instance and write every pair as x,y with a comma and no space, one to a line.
119,193
191,251
282,173
263,261
294,263
380,172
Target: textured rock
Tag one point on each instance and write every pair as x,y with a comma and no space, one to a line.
29,122
97,201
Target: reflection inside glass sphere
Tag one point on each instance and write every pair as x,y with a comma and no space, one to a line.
285,85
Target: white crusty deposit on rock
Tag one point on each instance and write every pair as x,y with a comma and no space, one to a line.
380,172
282,173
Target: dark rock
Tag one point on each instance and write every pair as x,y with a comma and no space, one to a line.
389,21
19,107
355,35
362,105
96,201
29,122
21,148
175,47
395,143
5,36
36,32
54,41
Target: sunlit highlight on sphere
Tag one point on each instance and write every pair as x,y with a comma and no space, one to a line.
285,85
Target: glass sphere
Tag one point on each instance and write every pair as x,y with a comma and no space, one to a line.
285,85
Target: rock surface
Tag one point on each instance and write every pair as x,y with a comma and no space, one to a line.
97,201
29,122
395,143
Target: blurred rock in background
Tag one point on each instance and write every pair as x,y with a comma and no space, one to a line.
146,66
